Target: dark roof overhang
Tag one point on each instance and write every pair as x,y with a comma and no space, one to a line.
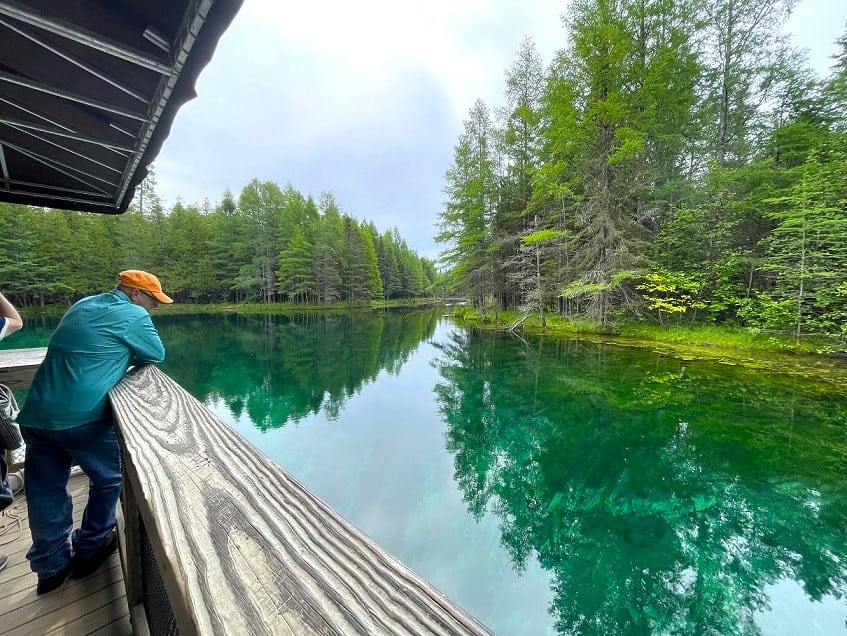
89,91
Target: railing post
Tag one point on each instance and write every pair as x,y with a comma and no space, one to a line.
129,526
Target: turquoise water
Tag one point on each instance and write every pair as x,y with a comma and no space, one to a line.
547,486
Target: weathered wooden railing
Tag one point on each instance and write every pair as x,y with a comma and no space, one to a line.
18,366
241,546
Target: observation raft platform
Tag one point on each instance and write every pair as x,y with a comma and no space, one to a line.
215,538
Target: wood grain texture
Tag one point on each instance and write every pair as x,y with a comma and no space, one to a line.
243,547
18,366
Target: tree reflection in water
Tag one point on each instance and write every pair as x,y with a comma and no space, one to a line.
664,497
279,368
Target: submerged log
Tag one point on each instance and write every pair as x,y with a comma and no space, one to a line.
520,322
243,547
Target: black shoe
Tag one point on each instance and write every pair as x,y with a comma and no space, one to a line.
84,567
3,561
50,583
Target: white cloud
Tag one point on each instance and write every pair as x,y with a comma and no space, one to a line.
815,25
464,43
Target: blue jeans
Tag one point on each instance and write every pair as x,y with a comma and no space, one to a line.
49,456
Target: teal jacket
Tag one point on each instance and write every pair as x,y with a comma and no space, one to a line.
96,341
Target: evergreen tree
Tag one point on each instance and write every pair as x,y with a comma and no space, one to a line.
326,273
616,76
744,56
411,273
189,242
836,86
261,204
808,246
29,277
205,284
361,274
465,223
294,275
431,276
388,262
369,266
521,143
228,244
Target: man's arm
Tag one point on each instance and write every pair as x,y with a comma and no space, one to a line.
144,342
14,322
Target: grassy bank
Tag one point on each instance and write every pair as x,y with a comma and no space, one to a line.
819,357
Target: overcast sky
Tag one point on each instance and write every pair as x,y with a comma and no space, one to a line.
367,99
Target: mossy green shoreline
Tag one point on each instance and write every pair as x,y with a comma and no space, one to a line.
813,357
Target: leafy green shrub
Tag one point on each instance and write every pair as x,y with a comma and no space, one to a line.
759,311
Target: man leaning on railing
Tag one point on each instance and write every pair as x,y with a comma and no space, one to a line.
66,420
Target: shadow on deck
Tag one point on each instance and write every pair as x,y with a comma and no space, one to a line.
94,605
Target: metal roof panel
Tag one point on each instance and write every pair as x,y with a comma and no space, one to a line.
89,91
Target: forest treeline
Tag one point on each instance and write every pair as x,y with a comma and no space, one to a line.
677,161
272,244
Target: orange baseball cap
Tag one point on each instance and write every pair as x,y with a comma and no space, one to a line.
145,282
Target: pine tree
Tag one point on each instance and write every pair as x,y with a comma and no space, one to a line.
807,249
521,144
388,262
465,223
620,72
294,276
261,204
744,55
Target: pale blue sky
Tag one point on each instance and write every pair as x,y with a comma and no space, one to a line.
367,99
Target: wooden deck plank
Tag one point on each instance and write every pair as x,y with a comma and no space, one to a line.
120,627
96,604
74,601
101,607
